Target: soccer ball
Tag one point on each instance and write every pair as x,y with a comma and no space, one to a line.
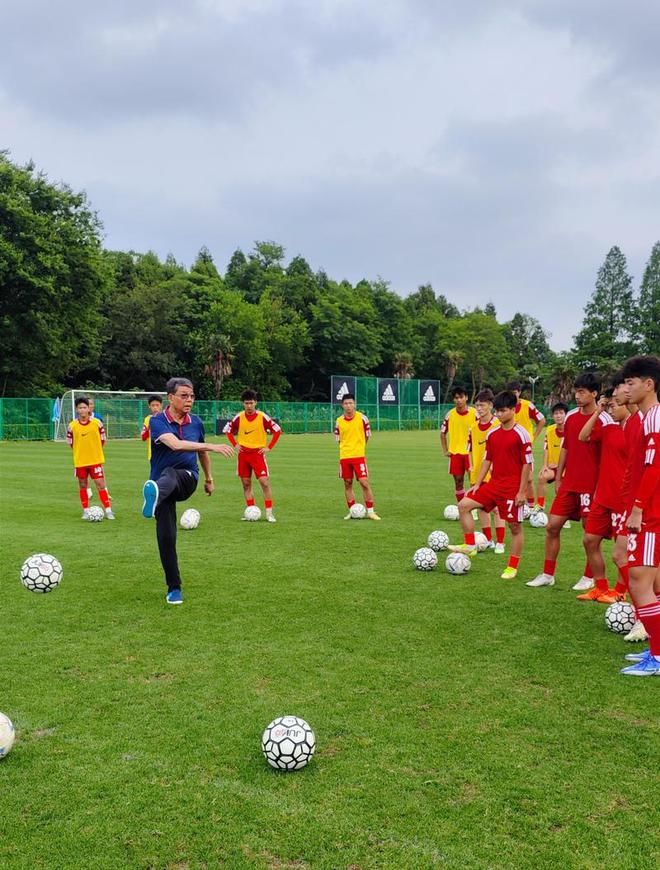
481,541
620,617
438,540
190,518
527,511
252,513
451,512
425,559
538,520
95,514
357,511
41,573
458,563
288,743
7,735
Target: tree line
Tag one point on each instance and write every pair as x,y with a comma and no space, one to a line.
73,314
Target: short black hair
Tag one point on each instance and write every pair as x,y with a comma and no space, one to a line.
485,396
248,395
174,383
82,401
154,399
505,399
513,385
458,391
617,378
587,381
608,393
560,406
643,367
348,396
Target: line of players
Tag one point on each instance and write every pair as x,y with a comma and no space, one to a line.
607,475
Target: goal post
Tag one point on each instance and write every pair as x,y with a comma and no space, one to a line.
122,411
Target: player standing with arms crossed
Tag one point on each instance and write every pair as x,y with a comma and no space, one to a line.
509,454
485,422
352,431
454,438
86,437
247,433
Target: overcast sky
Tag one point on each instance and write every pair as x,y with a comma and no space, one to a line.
495,148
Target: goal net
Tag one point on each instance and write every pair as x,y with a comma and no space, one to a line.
122,411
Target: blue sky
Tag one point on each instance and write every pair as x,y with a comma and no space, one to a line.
497,152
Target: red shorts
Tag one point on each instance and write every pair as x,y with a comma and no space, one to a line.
249,461
621,529
574,505
643,549
93,471
602,521
490,497
355,466
459,463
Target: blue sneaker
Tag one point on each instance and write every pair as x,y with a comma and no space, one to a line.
649,667
638,657
150,493
174,596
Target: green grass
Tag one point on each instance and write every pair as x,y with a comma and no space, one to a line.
461,722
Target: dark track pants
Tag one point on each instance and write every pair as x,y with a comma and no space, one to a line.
174,485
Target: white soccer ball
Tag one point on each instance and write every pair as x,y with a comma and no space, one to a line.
425,559
288,743
7,735
438,540
451,512
41,573
458,563
190,518
538,520
95,514
357,511
481,541
252,513
620,617
527,511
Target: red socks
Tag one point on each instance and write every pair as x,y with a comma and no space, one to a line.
549,567
350,502
514,561
622,583
541,501
268,503
84,498
530,501
488,532
603,584
469,539
249,502
460,495
105,498
650,616
588,572
499,534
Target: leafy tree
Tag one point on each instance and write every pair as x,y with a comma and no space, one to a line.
649,304
485,357
527,342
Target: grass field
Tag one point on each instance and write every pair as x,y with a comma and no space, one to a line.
461,722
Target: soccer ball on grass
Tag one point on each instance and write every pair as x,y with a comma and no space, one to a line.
458,563
425,559
41,573
620,617
252,513
288,743
357,511
481,541
438,540
95,514
190,518
451,512
538,520
7,735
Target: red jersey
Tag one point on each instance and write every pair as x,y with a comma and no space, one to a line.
633,473
582,457
648,459
509,450
613,459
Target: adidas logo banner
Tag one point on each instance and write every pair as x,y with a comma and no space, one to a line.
429,392
388,391
339,387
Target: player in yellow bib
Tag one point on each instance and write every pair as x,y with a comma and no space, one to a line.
155,407
454,438
486,421
352,431
86,437
554,436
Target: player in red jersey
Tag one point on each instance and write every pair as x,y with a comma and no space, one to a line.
642,375
509,453
607,509
577,475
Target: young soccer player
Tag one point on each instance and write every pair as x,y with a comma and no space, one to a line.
352,431
529,416
177,437
454,438
607,508
247,433
485,422
155,407
509,454
642,375
86,437
554,435
577,475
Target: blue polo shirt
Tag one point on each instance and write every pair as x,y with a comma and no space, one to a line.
191,428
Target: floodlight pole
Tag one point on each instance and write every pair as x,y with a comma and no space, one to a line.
533,381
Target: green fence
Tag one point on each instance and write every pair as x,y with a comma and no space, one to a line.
26,419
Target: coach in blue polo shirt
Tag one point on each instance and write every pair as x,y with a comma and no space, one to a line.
177,438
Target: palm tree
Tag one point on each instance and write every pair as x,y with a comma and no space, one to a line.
219,353
403,366
453,360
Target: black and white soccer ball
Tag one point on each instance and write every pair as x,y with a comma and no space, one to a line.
425,559
451,512
357,511
538,520
7,735
41,573
438,540
252,513
288,743
480,542
190,519
458,563
95,514
620,617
